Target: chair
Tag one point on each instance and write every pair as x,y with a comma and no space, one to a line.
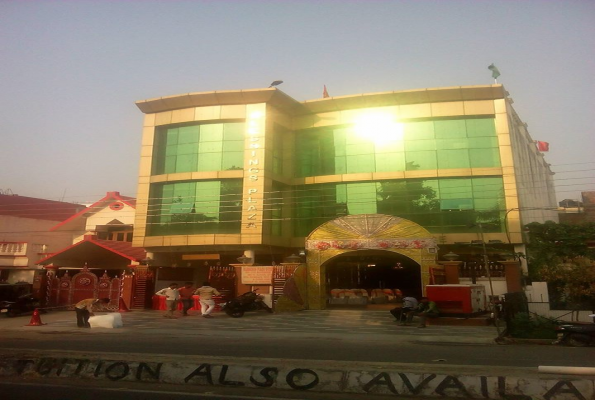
337,297
360,297
378,296
389,294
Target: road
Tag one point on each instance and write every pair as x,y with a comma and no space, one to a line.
31,390
338,335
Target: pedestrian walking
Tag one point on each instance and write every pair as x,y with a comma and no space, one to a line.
207,304
171,299
84,309
186,293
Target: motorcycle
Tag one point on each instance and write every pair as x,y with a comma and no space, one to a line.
577,335
23,304
249,301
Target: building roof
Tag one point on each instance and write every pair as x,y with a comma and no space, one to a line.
92,248
34,208
110,198
217,98
281,100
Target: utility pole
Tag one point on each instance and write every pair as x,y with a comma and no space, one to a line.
488,274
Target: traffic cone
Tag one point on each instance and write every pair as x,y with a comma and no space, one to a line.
35,319
122,306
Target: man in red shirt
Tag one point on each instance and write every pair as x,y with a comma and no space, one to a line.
186,296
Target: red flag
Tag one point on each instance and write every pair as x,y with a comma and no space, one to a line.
325,93
543,146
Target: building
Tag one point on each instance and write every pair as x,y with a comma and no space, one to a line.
372,190
99,259
576,212
24,234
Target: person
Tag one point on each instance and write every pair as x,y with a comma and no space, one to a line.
171,299
186,297
84,309
409,304
207,304
425,309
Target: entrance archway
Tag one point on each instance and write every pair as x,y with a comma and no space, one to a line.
363,236
373,271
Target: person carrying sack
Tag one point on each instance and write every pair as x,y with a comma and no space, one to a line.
84,309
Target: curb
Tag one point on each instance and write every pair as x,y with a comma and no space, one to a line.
416,380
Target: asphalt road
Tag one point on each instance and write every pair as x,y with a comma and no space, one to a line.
264,336
37,390
322,349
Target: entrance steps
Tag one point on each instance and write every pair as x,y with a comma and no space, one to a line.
444,320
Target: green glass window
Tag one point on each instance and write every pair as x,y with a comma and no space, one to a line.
480,127
453,144
191,208
453,159
451,128
279,139
199,147
439,205
420,145
273,209
418,130
390,162
425,145
484,158
420,160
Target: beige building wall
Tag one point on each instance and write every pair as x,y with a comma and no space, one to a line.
521,173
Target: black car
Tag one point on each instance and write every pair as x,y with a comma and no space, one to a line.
17,299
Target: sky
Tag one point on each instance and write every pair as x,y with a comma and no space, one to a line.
71,72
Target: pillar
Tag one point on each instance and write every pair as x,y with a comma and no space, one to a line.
451,271
512,271
45,290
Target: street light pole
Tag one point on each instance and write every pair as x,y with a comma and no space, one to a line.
488,274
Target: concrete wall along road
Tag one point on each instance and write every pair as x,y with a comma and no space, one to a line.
411,380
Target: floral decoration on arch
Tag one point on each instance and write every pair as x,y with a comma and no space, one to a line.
355,244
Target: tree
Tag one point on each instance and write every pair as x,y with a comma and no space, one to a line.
560,255
572,283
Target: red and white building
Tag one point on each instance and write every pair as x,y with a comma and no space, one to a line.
99,259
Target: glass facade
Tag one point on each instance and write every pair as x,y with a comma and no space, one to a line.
419,145
439,205
191,208
199,147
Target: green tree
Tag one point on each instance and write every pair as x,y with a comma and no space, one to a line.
560,255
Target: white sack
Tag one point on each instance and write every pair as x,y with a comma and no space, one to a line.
112,320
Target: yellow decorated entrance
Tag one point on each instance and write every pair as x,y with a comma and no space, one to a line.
356,241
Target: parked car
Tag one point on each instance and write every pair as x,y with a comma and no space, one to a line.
17,299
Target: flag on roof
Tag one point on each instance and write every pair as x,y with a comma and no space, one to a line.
325,93
543,146
495,72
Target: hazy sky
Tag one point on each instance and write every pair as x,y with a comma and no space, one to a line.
71,71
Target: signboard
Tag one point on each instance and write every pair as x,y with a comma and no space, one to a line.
257,275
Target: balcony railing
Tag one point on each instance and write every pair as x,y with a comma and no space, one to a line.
13,249
478,270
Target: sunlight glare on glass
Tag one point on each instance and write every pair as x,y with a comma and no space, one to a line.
380,128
